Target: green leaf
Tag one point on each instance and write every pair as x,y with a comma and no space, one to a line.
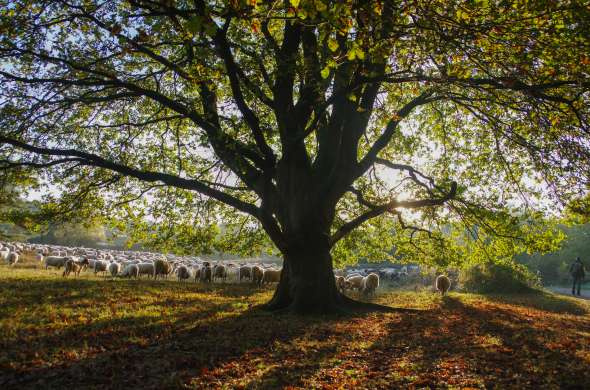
333,44
194,24
320,5
360,53
325,72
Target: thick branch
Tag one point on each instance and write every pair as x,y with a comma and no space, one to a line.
233,71
387,134
377,210
148,176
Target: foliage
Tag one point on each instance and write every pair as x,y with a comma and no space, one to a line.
579,209
500,278
74,234
554,266
15,211
163,334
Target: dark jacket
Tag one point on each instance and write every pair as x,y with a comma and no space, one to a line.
577,270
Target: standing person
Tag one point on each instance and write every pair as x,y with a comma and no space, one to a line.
577,272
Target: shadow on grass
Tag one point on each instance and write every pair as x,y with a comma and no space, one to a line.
543,300
177,337
188,346
484,346
63,291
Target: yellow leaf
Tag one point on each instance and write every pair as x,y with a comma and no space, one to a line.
332,44
360,54
256,25
320,6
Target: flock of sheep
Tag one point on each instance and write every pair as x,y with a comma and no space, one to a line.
134,264
10,253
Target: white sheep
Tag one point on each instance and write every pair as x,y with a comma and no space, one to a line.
12,258
132,270
55,261
4,253
114,268
257,275
442,284
146,268
100,266
354,282
91,262
162,268
370,283
74,266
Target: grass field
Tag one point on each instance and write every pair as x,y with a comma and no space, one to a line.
94,332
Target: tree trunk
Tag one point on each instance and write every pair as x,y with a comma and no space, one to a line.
307,282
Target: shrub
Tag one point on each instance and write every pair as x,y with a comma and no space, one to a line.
498,278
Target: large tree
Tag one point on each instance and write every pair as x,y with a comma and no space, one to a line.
312,117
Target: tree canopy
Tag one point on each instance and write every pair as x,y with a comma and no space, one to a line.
320,123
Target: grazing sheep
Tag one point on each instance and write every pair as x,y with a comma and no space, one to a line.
146,269
100,266
271,276
197,273
206,273
4,253
354,282
86,263
132,270
257,274
162,268
219,272
340,283
370,283
183,272
40,257
91,262
245,273
55,261
233,273
442,284
114,268
12,258
74,266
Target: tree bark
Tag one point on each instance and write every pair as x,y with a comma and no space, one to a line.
307,284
